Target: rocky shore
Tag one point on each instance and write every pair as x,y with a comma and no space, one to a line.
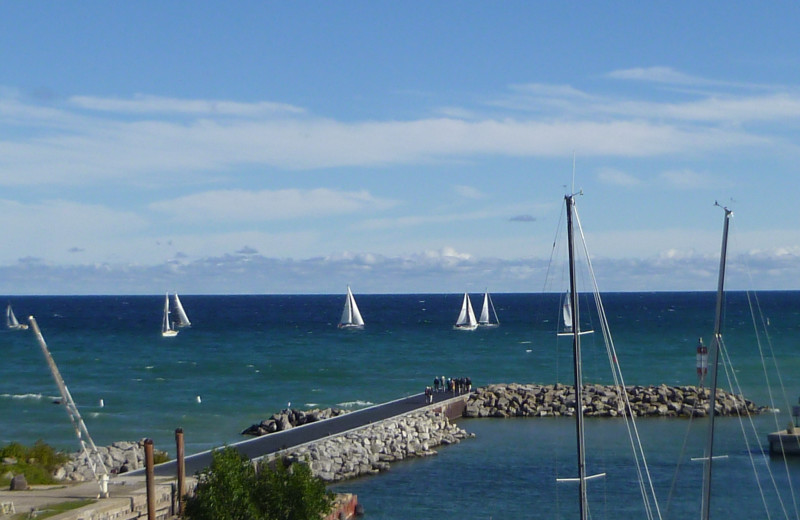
289,418
120,457
370,450
534,400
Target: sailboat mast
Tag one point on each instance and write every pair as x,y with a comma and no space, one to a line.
714,361
576,350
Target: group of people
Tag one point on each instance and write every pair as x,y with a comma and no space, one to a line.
457,386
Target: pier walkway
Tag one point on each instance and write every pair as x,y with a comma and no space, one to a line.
258,447
127,491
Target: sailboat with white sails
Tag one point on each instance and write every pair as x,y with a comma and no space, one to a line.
180,313
351,316
487,311
570,313
11,320
466,318
168,329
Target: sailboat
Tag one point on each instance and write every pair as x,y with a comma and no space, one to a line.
708,456
351,316
466,319
167,328
183,319
11,320
485,320
570,311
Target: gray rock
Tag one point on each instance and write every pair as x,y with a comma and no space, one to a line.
18,483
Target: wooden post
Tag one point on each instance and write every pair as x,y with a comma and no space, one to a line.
181,468
150,478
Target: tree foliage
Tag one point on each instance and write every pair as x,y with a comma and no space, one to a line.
231,489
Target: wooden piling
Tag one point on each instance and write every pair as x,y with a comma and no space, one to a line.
150,479
181,468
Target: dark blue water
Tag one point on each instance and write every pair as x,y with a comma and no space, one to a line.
249,356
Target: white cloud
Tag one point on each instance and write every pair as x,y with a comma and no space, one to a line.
446,270
144,104
68,147
264,205
657,75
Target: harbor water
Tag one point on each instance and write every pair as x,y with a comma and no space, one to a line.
246,357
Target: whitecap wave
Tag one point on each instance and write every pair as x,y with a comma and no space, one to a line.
312,405
353,404
36,397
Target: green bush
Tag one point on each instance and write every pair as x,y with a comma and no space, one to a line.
160,456
46,456
231,489
37,463
15,450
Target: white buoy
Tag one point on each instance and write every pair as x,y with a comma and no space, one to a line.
198,399
102,404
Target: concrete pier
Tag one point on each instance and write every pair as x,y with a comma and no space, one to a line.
783,442
127,492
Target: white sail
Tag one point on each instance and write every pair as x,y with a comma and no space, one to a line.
486,311
166,326
183,319
466,318
351,316
567,312
11,320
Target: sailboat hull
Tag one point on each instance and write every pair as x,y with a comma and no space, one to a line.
350,326
169,333
466,326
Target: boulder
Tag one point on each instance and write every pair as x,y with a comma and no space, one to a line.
19,483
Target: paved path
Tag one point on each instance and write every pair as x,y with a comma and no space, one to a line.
267,444
123,487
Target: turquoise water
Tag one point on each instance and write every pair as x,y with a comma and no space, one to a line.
249,356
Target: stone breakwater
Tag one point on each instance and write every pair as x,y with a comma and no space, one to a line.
290,418
534,400
370,450
120,457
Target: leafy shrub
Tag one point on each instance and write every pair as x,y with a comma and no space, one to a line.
160,456
36,463
231,489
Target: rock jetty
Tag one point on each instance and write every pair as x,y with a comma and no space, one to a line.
290,418
119,457
370,450
535,400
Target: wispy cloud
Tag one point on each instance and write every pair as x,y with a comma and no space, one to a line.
658,75
264,205
69,145
144,104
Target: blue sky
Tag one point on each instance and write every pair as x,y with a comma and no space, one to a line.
290,147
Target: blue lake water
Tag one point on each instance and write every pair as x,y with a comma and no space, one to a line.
247,357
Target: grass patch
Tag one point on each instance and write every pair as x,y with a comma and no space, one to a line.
55,509
37,462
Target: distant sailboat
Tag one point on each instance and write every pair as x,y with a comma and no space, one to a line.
167,330
11,320
488,305
566,313
351,317
183,319
466,319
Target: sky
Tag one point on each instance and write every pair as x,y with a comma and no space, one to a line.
298,147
